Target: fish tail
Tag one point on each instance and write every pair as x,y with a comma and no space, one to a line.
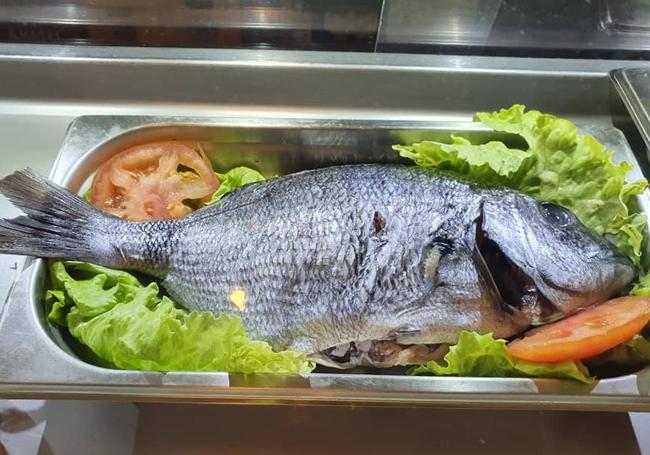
59,224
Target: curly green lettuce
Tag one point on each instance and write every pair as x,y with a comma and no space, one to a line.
133,327
484,356
233,179
642,287
492,163
577,172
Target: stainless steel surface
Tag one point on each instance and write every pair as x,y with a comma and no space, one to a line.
633,86
323,85
47,365
44,87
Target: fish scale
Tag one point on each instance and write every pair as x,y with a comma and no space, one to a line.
343,254
322,293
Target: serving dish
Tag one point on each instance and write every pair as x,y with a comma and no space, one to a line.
39,360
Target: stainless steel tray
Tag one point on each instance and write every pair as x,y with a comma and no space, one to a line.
36,361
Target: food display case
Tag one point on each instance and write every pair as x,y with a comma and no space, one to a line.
282,87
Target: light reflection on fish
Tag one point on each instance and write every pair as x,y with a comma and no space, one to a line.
344,254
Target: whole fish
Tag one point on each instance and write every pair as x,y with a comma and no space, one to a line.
323,258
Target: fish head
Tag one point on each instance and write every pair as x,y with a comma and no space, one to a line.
544,260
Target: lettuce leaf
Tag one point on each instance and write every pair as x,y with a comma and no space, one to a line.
232,179
561,165
642,287
640,347
622,359
492,163
577,172
483,356
131,326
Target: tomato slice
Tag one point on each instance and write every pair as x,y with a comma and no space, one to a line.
153,181
585,334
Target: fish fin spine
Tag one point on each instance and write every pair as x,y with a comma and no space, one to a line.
58,224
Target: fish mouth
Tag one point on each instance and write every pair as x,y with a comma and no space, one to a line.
515,288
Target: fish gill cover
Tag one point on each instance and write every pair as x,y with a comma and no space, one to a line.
561,166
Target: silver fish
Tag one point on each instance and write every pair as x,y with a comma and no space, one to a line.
313,260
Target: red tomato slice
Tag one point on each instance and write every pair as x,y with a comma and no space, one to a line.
152,181
585,334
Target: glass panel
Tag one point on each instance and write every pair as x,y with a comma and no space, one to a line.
633,86
534,28
278,24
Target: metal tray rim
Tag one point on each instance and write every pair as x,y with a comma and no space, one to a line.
95,381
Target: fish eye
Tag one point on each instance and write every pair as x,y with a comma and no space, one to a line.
556,215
